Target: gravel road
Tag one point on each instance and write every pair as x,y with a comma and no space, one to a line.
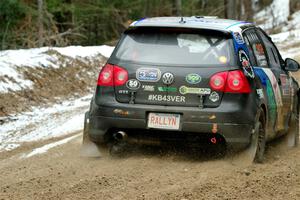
61,173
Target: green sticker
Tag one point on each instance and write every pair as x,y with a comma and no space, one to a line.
193,78
167,89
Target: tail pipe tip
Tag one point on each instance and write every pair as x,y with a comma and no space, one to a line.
120,135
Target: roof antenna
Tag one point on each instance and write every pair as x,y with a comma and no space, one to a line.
181,20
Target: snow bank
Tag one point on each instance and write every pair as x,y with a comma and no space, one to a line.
44,123
10,60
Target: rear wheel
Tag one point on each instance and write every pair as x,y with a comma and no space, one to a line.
260,138
256,150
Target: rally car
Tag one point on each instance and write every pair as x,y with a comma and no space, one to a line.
191,79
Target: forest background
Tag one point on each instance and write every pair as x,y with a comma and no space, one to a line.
36,23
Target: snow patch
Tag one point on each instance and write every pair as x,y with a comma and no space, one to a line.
11,60
44,123
47,147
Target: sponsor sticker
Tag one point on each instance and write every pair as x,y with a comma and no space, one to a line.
238,38
189,90
214,97
260,93
167,89
166,98
149,88
123,92
285,84
193,78
133,84
148,74
245,62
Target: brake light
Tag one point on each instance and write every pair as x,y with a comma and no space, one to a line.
237,82
112,75
231,82
217,81
120,76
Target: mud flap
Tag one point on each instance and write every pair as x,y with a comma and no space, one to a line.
88,147
292,138
254,153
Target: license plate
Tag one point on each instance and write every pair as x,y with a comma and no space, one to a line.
164,121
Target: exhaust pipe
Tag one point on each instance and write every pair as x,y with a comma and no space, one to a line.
120,136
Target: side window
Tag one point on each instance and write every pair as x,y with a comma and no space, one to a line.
255,47
251,53
273,56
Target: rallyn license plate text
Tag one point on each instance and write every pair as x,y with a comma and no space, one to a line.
164,121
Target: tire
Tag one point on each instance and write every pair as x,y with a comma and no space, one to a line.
261,143
258,139
293,133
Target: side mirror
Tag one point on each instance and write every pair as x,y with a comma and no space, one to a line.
291,65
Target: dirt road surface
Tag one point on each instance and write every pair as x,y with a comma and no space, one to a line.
61,173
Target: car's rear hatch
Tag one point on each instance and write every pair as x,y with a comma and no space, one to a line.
173,67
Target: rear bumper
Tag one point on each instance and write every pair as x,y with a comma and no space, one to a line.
230,121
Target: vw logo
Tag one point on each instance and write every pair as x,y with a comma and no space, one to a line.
168,78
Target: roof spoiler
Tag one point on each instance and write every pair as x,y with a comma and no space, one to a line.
206,17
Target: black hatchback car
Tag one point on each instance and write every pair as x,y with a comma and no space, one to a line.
194,78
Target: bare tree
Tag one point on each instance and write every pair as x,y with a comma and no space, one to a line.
178,7
40,22
245,10
230,11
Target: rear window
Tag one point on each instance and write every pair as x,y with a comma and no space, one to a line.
173,47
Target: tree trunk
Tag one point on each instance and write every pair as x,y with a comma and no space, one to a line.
248,11
40,22
230,9
245,10
178,7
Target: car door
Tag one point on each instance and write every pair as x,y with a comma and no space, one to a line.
284,81
265,77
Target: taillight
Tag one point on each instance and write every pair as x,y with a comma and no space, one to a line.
120,76
231,82
112,75
237,82
106,76
217,81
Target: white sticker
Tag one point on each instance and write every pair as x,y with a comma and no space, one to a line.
260,93
166,98
123,92
149,88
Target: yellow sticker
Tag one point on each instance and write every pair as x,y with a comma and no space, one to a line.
222,59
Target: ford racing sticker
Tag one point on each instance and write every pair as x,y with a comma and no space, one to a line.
148,74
